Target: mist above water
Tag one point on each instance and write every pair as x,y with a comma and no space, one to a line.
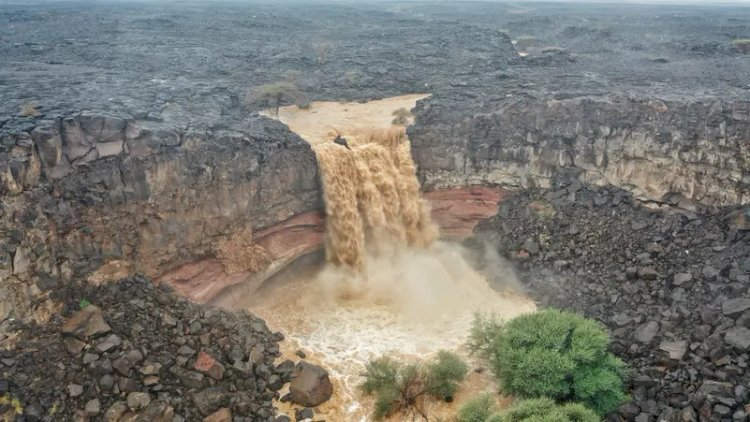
388,285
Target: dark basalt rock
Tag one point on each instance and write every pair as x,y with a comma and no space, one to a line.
137,373
686,341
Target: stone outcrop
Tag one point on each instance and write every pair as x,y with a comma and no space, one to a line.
680,152
105,197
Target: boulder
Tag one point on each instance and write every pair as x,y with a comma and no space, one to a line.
310,385
734,307
221,415
675,349
206,364
738,337
646,332
86,323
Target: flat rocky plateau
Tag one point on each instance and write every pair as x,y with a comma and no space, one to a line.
613,139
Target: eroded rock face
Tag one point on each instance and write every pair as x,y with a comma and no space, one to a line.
103,197
672,151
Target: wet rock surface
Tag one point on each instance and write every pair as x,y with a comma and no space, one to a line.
162,359
670,284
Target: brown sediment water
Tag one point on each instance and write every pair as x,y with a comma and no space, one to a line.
388,286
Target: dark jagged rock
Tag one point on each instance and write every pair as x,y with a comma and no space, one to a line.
687,342
132,373
310,385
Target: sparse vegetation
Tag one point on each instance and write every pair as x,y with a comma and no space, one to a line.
478,409
321,49
552,354
402,117
545,409
83,303
28,109
350,78
273,96
291,76
742,44
402,388
12,406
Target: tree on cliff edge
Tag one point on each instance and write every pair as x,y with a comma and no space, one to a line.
273,96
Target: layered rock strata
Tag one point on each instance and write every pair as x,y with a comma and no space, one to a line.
675,151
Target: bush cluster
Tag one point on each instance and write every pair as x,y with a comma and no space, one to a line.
482,409
402,387
552,354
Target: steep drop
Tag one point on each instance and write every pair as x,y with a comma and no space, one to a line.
372,196
389,285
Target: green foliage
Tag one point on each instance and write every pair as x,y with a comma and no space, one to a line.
402,387
478,409
546,410
444,374
83,303
275,95
380,374
554,354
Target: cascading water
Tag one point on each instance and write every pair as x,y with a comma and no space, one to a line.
388,286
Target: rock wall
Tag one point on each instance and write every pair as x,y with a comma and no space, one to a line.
100,197
678,151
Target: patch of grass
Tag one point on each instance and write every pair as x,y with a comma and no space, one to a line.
15,405
553,354
402,117
402,388
28,110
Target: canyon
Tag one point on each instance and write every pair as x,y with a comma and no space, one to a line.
141,161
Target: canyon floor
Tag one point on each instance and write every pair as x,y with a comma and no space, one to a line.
593,157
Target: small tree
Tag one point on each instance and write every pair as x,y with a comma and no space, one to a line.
403,387
275,95
28,110
545,409
401,117
552,354
321,49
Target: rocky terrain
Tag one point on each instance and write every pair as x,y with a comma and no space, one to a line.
154,356
672,286
126,147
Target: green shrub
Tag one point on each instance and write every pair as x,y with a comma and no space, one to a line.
403,387
83,303
478,409
445,372
275,95
554,354
546,410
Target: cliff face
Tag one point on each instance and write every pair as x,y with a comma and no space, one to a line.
102,197
95,198
671,151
